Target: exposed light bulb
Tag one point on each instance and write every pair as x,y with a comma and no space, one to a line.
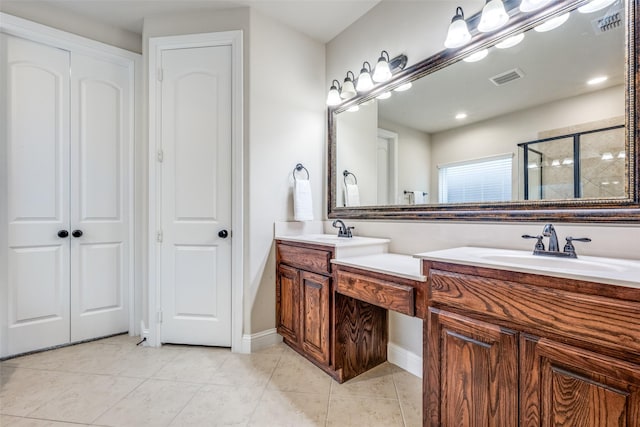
595,5
493,16
458,34
333,97
404,87
511,41
479,55
382,72
531,5
364,79
552,23
348,89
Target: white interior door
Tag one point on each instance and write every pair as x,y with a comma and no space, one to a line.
37,164
101,105
195,276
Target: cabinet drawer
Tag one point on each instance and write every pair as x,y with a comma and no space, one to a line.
314,260
607,321
389,295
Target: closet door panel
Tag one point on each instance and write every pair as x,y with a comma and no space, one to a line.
102,103
36,109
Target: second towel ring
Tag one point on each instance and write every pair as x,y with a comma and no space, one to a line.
299,168
346,173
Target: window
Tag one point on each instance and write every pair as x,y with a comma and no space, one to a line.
481,180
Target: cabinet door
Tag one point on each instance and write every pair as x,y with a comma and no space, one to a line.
470,372
315,315
563,385
288,302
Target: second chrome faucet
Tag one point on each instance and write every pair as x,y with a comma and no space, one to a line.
569,251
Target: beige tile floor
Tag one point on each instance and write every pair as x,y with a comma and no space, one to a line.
112,382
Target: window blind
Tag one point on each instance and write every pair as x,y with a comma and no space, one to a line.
482,180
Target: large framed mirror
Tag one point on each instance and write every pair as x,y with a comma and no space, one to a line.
543,130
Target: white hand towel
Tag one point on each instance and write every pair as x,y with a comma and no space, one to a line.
302,204
351,195
418,197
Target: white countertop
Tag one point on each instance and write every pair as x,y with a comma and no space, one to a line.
332,240
405,266
613,271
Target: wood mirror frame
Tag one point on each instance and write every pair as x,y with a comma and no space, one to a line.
575,210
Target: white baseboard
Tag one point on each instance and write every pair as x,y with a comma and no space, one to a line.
254,342
405,359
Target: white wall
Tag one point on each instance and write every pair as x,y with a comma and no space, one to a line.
287,126
501,135
53,16
414,159
416,28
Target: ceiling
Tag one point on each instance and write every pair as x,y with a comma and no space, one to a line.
320,19
555,65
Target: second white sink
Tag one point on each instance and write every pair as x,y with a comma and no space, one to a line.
597,269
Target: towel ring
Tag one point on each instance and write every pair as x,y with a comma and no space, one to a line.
346,173
299,168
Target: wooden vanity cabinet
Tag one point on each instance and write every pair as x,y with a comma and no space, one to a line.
505,349
303,299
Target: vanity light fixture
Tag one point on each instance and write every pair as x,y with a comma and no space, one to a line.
404,87
607,156
531,5
385,95
493,16
364,79
333,98
461,116
597,80
511,41
595,5
348,89
552,23
382,72
458,34
478,56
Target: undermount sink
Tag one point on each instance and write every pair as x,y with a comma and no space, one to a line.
597,269
343,246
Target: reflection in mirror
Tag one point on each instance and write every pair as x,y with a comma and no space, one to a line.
493,130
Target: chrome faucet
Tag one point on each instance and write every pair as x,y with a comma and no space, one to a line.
549,231
343,230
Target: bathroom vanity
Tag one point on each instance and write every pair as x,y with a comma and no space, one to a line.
332,297
506,347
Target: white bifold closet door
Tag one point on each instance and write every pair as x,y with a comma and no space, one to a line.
66,145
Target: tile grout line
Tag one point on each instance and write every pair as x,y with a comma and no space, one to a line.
395,387
264,389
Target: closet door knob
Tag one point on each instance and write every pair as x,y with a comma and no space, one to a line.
223,234
76,233
63,233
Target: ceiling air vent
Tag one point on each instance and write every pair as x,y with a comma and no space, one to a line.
506,77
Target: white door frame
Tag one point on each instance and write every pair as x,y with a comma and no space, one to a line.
392,138
33,31
156,46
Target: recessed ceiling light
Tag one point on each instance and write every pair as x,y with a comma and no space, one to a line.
511,41
404,87
552,23
384,95
479,55
596,80
461,116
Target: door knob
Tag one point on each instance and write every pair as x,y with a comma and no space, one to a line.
63,233
76,233
223,234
